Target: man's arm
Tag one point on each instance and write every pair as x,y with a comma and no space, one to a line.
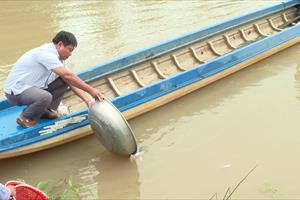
72,80
83,95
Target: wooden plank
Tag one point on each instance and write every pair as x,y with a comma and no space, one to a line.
228,42
284,17
175,60
211,46
257,28
243,34
114,87
273,25
160,74
148,74
136,77
195,55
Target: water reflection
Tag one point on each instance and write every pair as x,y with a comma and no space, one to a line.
120,179
110,177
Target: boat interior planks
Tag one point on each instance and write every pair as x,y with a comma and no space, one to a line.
188,57
147,79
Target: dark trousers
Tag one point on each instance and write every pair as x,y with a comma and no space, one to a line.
38,100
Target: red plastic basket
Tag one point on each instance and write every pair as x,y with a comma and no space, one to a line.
13,183
26,192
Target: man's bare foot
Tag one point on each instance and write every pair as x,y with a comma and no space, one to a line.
51,114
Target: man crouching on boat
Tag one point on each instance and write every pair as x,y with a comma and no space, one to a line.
40,78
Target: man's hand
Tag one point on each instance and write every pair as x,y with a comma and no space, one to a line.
90,102
88,97
96,94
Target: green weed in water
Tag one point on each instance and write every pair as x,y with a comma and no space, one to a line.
71,192
66,190
269,188
47,188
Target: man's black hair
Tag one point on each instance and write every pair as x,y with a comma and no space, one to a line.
67,38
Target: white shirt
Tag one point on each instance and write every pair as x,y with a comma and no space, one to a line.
34,68
4,192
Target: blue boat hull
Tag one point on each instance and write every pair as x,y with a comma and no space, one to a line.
15,140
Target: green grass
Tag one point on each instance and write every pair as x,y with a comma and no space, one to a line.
66,190
271,189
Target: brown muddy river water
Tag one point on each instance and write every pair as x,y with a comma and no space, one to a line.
191,148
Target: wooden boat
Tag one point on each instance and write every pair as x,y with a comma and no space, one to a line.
147,79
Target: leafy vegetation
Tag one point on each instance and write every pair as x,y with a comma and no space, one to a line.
269,188
64,191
